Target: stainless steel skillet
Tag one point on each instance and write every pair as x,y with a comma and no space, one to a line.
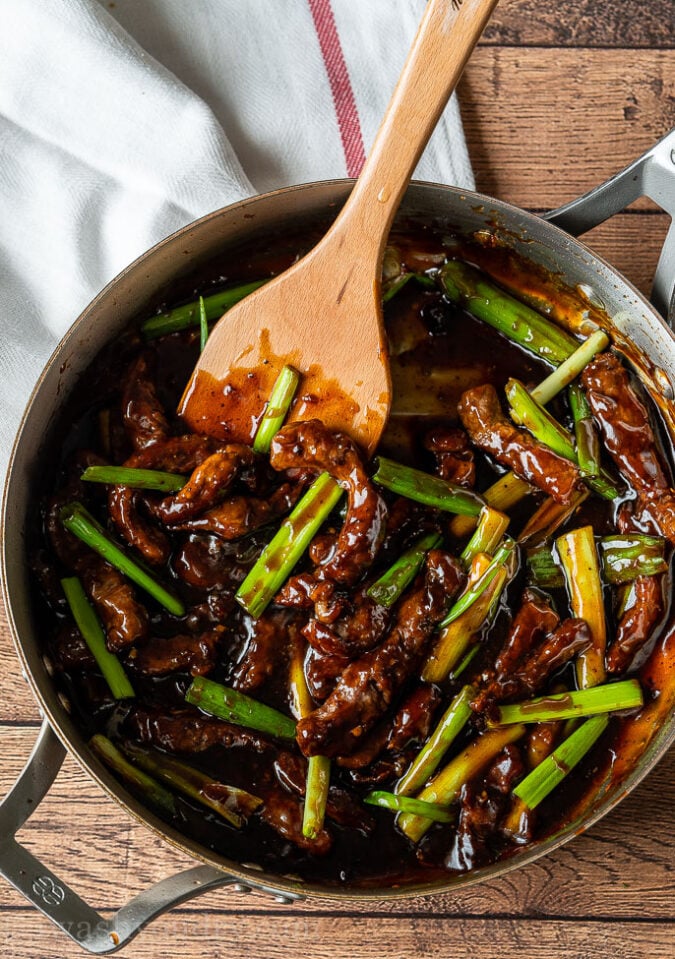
636,325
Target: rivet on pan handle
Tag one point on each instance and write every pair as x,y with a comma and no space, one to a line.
57,900
653,176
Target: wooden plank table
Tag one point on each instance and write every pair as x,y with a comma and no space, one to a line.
556,98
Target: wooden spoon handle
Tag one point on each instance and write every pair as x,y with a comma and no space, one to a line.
447,34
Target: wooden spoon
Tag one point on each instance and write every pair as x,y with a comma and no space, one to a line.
324,315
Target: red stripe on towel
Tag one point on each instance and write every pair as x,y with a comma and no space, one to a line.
340,85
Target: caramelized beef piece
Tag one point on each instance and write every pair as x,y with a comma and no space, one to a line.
454,456
533,621
368,686
322,671
206,562
177,454
624,421
341,806
70,651
214,611
194,654
362,624
631,442
321,547
124,619
284,813
208,484
482,806
506,770
655,513
306,590
411,724
489,428
541,741
127,506
143,415
240,515
396,742
312,445
637,623
296,593
479,813
126,510
414,718
570,638
322,638
268,640
369,748
188,731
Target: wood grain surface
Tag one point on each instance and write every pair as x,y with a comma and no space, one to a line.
556,99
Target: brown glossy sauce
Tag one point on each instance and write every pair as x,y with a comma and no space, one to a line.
232,410
447,353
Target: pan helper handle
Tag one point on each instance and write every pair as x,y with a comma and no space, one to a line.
57,900
653,176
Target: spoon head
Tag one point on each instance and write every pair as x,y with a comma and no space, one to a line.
333,337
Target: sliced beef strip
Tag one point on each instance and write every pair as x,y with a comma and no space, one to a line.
368,686
322,671
414,717
454,457
541,741
143,414
506,770
631,442
124,619
572,636
238,516
188,731
70,651
196,655
482,806
411,723
206,562
296,593
267,642
129,508
483,419
307,590
655,513
208,484
533,621
637,623
312,445
361,625
341,806
284,813
624,421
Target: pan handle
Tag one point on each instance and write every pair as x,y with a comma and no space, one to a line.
57,900
652,175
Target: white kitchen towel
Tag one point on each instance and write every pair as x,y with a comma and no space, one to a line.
122,121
